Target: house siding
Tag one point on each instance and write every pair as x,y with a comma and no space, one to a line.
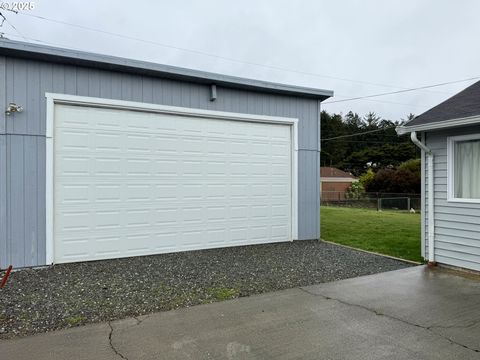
22,139
457,225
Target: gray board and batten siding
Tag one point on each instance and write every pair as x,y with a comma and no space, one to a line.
457,225
28,71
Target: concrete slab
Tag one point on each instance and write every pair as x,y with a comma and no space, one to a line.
86,342
338,320
440,300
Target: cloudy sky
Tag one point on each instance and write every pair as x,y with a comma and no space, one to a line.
355,48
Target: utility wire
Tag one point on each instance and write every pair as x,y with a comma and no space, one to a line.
357,134
62,45
42,41
385,102
402,91
373,142
210,54
13,27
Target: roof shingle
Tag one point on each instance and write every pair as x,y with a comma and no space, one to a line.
464,104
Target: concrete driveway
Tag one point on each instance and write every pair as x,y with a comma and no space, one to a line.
413,313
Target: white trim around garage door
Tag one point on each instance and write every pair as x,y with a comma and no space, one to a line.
53,99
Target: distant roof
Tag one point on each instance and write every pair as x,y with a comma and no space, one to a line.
81,58
331,172
461,109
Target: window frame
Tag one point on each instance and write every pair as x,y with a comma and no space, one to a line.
451,140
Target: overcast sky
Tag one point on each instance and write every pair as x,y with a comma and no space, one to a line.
375,46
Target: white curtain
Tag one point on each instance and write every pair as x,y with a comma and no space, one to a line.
467,169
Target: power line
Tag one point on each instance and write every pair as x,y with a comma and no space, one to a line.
12,26
356,134
385,101
367,97
402,91
57,44
61,45
41,41
327,139
210,54
373,142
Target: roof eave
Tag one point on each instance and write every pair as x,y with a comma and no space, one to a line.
80,58
439,125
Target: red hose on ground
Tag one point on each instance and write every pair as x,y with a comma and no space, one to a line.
5,278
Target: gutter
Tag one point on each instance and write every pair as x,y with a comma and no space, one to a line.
431,198
439,125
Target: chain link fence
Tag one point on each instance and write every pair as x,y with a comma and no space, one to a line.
378,201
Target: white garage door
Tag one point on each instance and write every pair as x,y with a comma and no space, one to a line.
130,183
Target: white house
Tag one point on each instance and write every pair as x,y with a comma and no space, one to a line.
449,136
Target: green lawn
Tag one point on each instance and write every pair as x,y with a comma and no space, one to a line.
386,232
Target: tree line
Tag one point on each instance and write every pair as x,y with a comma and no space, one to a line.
377,149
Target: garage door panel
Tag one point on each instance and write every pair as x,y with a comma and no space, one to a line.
216,213
168,192
74,165
138,192
132,183
216,236
107,193
106,219
138,144
217,146
106,142
73,140
163,217
279,231
72,193
165,241
260,211
74,221
165,144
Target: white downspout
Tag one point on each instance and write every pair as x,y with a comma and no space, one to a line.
431,198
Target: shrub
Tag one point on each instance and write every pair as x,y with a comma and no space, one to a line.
356,191
401,180
413,165
367,178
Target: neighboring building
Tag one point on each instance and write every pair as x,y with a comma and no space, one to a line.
449,135
334,183
112,158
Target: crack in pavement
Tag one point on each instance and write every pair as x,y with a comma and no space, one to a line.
138,320
472,324
376,312
144,317
110,335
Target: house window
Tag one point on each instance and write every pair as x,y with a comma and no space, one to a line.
464,168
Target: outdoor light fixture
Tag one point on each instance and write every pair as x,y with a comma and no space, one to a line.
213,92
12,107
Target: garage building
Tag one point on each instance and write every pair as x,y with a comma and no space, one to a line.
104,157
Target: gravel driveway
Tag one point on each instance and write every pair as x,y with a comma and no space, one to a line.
66,295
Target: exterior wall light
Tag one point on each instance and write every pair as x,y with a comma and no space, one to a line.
12,108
